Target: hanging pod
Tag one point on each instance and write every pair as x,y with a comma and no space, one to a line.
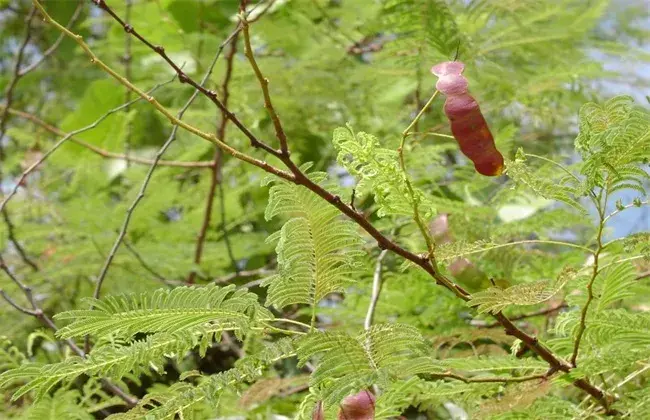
467,123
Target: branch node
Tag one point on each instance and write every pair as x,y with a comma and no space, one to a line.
159,49
128,28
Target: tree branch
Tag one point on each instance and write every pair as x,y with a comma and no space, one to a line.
264,84
541,312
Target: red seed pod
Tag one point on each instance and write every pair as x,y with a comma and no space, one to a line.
467,123
360,406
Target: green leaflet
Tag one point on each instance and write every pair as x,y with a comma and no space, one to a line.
378,172
165,310
350,363
494,299
317,250
545,182
614,138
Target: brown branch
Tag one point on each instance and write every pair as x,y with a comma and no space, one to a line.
555,362
264,83
643,275
4,117
541,312
216,172
103,152
39,314
299,178
164,111
184,78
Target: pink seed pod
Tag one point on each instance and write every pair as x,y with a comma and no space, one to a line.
360,406
439,229
467,122
318,414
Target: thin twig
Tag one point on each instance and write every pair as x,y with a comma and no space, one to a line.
244,274
590,285
643,275
527,241
264,83
103,152
41,59
376,290
414,199
627,206
127,59
11,234
494,379
143,263
145,183
4,117
16,306
65,138
13,82
164,111
217,174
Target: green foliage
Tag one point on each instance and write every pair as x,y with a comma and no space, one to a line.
378,171
316,249
614,137
63,404
176,310
213,307
494,299
350,363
